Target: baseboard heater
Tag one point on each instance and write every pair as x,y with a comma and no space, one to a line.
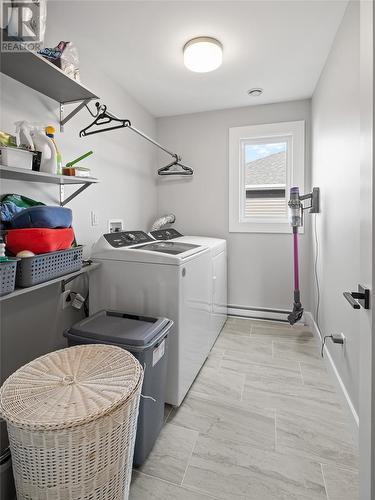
258,313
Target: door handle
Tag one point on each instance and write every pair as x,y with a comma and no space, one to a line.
359,299
349,297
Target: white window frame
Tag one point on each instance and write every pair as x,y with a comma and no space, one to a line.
291,132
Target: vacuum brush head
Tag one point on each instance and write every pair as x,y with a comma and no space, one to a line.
296,314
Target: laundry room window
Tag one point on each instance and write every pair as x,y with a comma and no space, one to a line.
264,162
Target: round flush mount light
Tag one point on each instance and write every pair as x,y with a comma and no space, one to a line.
256,92
203,54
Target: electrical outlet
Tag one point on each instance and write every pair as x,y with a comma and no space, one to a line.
94,218
338,338
66,299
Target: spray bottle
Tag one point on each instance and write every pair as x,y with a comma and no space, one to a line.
23,135
50,132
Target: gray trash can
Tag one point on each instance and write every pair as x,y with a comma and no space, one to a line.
147,339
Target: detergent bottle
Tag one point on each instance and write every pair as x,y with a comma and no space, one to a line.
45,145
50,131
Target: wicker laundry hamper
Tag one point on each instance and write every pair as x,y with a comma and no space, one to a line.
71,418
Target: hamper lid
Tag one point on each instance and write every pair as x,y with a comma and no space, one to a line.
69,387
121,328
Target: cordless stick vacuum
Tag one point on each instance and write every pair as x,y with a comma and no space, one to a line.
296,210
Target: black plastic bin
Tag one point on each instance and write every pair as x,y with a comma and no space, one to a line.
147,339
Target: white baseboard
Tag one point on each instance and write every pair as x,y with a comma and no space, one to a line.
354,418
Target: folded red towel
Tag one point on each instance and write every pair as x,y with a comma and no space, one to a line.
39,240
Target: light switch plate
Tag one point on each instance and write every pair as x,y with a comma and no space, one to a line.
94,218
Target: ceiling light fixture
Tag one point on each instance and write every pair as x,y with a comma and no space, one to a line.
256,92
203,54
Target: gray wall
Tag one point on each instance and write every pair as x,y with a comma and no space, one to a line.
336,170
260,265
125,165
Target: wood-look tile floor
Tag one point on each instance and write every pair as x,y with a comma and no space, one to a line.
262,421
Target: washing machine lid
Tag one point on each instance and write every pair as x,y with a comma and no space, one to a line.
119,328
168,247
217,245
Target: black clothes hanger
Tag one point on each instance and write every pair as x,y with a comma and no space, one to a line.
102,117
177,161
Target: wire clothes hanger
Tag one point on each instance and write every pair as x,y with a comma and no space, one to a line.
102,117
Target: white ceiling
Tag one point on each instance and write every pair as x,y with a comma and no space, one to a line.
280,46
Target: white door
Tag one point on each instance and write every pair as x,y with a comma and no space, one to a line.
365,317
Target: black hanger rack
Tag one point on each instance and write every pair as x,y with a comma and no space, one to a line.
102,117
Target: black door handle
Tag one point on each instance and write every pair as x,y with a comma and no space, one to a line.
359,299
349,297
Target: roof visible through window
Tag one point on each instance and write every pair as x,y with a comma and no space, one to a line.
265,164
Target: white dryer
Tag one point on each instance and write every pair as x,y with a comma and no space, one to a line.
218,274
159,278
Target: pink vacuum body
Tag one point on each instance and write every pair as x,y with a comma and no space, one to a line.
296,220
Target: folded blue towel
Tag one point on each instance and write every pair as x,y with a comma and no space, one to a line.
43,217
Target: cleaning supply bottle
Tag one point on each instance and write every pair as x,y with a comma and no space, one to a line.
45,145
50,131
23,135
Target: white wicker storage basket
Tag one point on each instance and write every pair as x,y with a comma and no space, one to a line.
71,418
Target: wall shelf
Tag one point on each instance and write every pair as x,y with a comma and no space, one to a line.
41,75
24,175
60,279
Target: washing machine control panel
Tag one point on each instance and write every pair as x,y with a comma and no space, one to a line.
165,234
127,238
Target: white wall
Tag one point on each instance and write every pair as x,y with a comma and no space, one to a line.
335,169
260,265
124,163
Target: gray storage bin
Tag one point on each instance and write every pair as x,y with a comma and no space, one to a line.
7,276
147,339
46,266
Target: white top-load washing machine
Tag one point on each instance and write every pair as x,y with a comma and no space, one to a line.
159,278
218,274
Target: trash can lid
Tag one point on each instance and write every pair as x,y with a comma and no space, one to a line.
119,328
70,387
